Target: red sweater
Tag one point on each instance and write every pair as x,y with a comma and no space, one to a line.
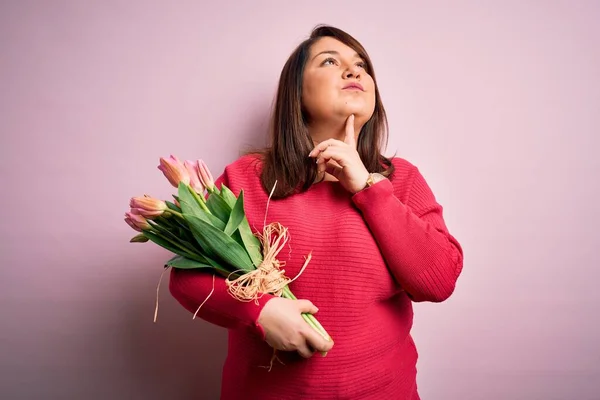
373,254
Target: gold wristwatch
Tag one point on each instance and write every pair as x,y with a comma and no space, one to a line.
373,179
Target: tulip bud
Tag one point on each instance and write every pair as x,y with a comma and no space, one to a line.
192,169
205,176
137,222
174,171
147,206
139,238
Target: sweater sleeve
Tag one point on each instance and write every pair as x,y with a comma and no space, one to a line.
412,236
192,288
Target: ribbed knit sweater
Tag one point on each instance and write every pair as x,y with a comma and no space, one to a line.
373,254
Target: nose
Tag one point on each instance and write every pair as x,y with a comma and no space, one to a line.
352,71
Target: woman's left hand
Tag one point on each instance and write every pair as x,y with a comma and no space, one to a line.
348,167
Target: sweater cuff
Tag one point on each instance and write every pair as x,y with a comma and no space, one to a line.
250,311
371,196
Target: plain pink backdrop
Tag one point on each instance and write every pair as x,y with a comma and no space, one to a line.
498,104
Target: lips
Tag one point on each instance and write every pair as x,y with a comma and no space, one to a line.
354,86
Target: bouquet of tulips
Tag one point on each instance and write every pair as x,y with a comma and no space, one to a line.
206,227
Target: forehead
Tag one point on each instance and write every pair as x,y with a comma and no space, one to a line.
331,44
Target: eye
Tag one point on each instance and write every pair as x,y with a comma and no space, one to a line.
329,61
361,64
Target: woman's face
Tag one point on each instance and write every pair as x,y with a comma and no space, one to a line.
336,83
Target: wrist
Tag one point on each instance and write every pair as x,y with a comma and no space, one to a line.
372,179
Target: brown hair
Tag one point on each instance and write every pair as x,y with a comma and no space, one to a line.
286,159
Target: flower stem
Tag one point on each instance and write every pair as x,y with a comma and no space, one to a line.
199,200
175,213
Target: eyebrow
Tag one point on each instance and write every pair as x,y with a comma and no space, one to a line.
336,53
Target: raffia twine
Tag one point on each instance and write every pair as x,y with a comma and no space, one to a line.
269,276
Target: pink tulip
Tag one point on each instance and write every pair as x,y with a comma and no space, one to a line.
192,168
205,176
147,206
137,222
174,171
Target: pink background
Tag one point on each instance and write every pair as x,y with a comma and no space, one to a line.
498,104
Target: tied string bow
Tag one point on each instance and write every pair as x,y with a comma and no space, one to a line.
268,277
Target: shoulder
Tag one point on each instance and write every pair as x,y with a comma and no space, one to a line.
404,171
403,177
244,172
246,163
402,165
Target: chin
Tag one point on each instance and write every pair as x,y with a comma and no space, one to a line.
358,104
361,111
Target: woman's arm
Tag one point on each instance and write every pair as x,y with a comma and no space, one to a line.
412,236
192,287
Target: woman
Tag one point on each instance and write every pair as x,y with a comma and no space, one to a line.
376,233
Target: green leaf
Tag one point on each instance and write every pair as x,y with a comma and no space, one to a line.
190,206
218,267
215,189
251,243
237,215
163,243
238,238
228,196
169,233
186,263
173,206
194,254
218,207
220,244
180,229
164,221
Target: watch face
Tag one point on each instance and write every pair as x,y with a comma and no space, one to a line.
376,177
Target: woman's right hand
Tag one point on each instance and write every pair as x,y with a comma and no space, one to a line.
286,330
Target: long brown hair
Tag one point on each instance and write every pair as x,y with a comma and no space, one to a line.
286,159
